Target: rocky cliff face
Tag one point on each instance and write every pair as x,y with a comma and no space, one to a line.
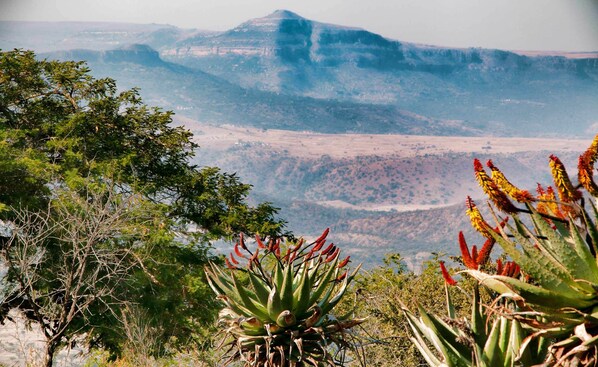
288,54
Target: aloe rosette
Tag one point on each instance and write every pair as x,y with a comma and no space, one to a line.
279,302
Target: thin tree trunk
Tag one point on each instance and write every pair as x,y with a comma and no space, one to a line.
50,350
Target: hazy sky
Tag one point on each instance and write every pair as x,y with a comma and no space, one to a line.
568,25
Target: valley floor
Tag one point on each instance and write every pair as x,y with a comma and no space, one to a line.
308,144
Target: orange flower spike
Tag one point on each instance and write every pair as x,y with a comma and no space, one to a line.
342,276
333,255
293,256
567,192
260,244
468,261
542,208
522,196
477,221
344,262
318,246
287,255
541,191
254,257
585,175
552,204
445,274
490,188
233,260
238,252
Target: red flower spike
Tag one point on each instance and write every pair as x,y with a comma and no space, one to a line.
255,255
331,256
233,260
228,264
327,249
516,271
242,241
238,252
293,256
467,260
344,262
277,249
474,254
484,254
341,277
447,277
299,244
323,236
499,266
260,244
318,246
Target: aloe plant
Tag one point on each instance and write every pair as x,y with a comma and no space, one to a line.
485,340
554,239
280,300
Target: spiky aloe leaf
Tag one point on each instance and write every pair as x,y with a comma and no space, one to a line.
581,264
542,267
274,305
323,283
341,292
302,294
532,294
456,354
491,354
251,304
478,319
260,288
286,291
420,332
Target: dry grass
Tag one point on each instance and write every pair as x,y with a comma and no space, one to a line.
308,144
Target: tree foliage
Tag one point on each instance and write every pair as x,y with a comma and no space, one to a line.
63,131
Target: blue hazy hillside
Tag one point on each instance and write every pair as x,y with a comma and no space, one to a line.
286,53
211,99
293,71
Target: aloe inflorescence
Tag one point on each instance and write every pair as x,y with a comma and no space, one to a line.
279,301
544,308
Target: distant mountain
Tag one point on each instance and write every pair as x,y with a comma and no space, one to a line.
288,54
54,36
209,98
494,91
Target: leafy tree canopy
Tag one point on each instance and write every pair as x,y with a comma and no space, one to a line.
62,129
59,126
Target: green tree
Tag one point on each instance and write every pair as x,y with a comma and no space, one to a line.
62,129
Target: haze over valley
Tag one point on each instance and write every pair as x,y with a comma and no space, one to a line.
344,128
